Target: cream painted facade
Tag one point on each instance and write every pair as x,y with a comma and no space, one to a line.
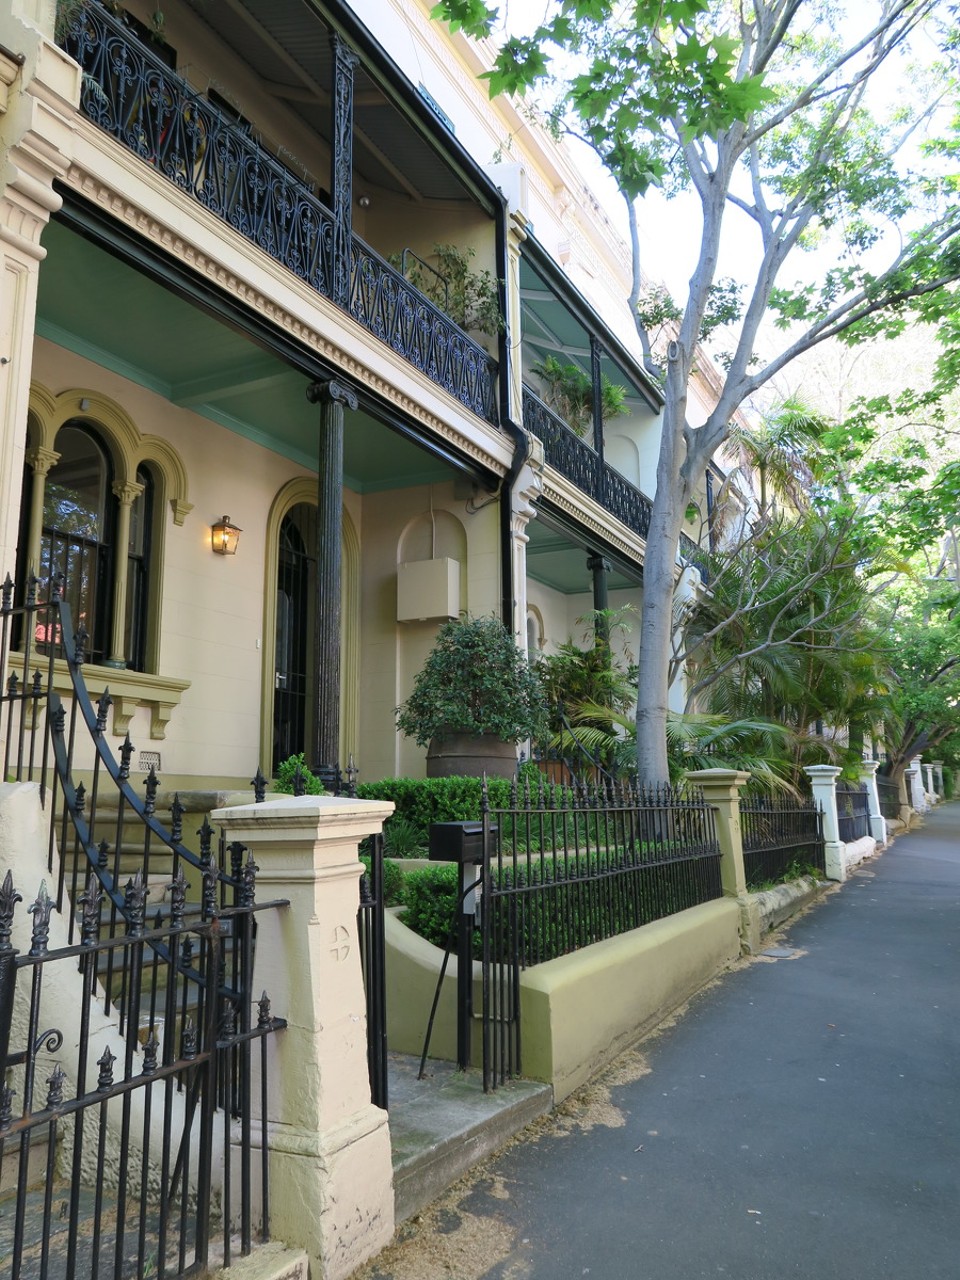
141,319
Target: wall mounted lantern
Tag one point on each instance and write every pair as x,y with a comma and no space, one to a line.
224,537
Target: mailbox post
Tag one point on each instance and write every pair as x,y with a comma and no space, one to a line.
462,842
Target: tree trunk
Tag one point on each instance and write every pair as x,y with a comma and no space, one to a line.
659,574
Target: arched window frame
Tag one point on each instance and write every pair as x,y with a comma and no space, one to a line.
129,451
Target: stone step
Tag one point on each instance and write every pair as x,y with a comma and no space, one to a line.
443,1125
272,1261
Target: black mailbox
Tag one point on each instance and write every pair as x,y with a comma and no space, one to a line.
458,841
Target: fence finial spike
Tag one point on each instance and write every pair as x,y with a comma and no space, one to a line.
259,784
105,1063
8,902
151,783
90,900
264,1017
41,910
126,751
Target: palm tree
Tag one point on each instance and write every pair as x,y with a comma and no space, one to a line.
781,455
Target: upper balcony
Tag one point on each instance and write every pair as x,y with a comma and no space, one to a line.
589,401
246,145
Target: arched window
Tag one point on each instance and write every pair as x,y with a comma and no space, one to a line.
95,533
77,532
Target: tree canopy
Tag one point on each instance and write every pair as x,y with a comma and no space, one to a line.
821,131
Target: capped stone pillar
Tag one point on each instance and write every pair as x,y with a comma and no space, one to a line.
938,778
721,790
929,785
915,786
823,780
331,1190
868,776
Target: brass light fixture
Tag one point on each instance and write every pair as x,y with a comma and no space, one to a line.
224,537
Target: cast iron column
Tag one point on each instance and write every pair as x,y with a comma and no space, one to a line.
331,396
596,380
341,168
600,568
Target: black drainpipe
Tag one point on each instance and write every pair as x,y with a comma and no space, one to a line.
521,442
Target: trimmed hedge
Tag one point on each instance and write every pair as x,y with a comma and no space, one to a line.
430,896
426,800
393,880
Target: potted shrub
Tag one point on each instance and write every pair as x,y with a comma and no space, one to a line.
470,298
474,699
569,392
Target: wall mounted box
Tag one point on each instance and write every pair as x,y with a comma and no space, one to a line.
428,589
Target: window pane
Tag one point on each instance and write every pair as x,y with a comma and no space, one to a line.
74,532
76,487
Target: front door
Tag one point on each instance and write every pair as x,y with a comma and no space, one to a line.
293,678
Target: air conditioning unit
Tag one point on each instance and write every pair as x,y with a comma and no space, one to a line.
428,589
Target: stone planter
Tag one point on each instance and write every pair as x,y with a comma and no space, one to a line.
469,754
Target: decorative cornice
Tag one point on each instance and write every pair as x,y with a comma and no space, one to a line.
591,516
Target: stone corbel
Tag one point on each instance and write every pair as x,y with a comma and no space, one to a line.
124,706
10,64
180,510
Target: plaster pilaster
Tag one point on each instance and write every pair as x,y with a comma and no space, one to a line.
42,91
516,234
126,494
527,488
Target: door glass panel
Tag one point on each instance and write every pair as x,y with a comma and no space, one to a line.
293,680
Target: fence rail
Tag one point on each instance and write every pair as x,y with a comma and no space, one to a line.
565,867
853,812
889,793
780,834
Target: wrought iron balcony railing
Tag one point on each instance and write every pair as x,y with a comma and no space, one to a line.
579,462
130,93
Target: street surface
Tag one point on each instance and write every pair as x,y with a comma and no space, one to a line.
800,1119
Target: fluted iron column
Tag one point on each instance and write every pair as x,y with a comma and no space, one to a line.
332,397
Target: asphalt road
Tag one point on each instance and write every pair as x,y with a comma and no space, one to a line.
801,1120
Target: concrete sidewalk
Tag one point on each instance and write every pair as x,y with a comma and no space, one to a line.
801,1119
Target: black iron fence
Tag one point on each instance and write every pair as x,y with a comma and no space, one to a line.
565,867
853,812
160,942
127,1144
782,836
130,92
889,794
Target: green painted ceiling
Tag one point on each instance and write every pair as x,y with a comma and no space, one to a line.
99,307
556,560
